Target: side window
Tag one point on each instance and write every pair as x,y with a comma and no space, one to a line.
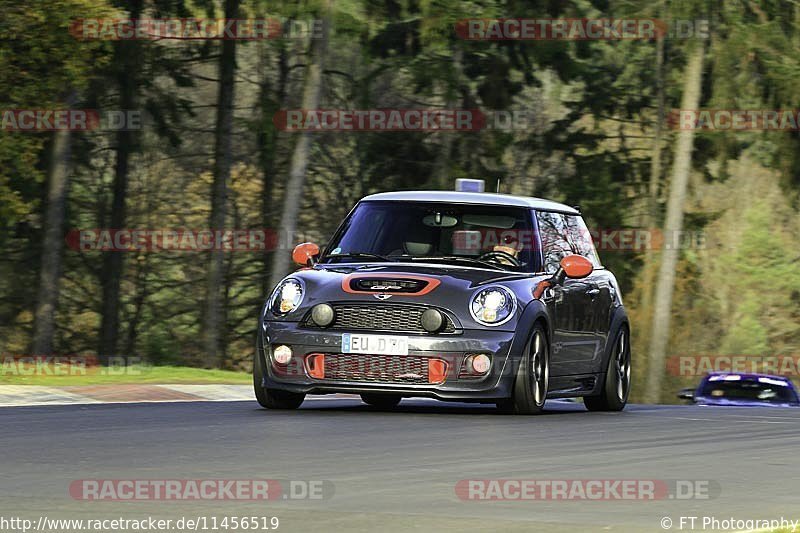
553,238
581,238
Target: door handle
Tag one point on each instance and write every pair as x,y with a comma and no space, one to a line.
593,293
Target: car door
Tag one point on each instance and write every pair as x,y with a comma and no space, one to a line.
602,305
598,291
574,347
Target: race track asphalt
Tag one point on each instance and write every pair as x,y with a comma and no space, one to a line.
397,471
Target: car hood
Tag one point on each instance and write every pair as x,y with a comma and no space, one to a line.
741,403
475,276
451,287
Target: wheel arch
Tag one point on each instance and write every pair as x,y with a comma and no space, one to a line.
534,313
618,320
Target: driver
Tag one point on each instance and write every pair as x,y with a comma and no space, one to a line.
510,244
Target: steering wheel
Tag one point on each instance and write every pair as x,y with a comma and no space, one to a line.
499,254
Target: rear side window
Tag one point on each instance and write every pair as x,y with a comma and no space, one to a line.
562,235
553,237
581,238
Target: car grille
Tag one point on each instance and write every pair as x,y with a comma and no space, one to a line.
376,368
392,318
387,285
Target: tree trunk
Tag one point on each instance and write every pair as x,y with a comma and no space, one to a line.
127,57
53,241
141,293
442,177
649,218
665,285
267,143
299,164
212,325
655,161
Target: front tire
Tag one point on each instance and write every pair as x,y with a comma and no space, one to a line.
270,398
381,401
533,377
617,383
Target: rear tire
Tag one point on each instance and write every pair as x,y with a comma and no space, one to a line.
381,401
270,398
617,382
533,377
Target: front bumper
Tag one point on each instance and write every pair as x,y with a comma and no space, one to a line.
496,384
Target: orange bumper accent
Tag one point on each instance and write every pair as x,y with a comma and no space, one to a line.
437,371
315,365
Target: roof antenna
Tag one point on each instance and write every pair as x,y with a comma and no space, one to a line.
498,186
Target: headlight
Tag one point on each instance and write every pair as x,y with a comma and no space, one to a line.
287,297
492,306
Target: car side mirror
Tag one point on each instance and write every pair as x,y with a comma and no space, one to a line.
576,266
686,394
305,254
572,266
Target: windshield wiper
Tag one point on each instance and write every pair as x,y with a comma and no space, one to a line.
458,258
358,255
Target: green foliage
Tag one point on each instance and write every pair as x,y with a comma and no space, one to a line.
766,272
40,62
589,143
747,334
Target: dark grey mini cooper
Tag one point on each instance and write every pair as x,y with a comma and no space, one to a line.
456,296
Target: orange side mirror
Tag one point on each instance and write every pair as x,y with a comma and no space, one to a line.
576,266
304,254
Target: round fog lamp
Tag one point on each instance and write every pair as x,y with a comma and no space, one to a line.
322,315
432,320
480,363
282,354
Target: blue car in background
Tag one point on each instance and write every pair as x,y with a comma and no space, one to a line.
743,390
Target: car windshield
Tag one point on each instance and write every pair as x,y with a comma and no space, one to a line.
761,389
473,235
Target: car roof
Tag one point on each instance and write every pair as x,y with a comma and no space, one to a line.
472,198
749,375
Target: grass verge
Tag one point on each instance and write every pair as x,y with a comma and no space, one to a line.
134,374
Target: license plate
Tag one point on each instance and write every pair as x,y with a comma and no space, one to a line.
374,344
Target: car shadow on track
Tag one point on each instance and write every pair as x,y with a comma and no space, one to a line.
431,408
